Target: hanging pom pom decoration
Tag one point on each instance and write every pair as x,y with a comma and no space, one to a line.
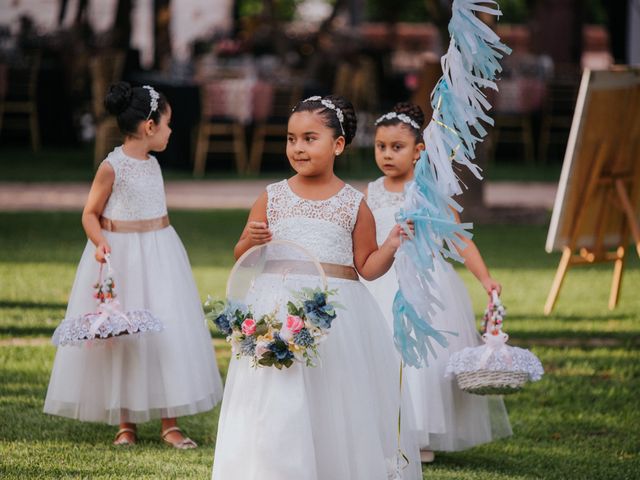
459,109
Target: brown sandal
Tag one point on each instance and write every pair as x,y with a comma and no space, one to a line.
124,441
185,444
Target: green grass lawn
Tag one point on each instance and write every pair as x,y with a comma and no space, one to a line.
581,421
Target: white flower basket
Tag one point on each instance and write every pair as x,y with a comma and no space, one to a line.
494,368
108,320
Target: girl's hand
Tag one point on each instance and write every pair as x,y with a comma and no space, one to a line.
396,236
490,284
412,229
101,250
259,233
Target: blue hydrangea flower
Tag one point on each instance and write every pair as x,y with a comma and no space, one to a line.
318,311
248,347
280,349
223,323
303,338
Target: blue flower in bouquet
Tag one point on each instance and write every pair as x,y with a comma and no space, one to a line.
318,311
280,349
248,347
223,323
303,338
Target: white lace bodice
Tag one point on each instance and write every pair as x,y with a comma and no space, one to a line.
384,205
138,188
324,227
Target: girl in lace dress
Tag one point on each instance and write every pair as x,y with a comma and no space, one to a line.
130,379
447,418
337,420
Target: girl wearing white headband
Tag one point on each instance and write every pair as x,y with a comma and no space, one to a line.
339,419
131,379
448,419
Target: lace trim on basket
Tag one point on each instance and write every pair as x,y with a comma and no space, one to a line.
73,331
506,359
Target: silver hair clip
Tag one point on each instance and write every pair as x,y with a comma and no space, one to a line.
331,106
400,116
153,103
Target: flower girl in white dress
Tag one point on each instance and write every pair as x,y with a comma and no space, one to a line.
448,419
133,378
339,419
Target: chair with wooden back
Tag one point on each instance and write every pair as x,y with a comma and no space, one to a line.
106,69
218,131
18,107
270,134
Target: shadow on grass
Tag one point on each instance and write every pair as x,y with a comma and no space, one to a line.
591,317
31,305
30,331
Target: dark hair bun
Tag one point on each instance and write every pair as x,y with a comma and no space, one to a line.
413,111
350,123
118,98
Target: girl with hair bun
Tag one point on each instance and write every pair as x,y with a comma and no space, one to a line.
131,379
448,419
339,419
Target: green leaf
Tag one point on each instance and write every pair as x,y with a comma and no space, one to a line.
261,329
292,309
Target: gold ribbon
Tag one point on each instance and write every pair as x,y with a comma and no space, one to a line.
444,125
304,267
134,226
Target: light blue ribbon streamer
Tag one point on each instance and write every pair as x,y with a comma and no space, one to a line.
460,107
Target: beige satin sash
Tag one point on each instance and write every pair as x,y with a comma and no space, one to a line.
304,267
134,226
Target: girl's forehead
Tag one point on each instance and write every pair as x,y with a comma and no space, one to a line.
307,121
394,132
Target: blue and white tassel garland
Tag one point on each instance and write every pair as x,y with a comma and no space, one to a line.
459,108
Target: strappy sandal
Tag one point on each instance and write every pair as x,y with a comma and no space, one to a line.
124,441
185,444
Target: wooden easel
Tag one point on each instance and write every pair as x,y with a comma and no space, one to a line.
608,202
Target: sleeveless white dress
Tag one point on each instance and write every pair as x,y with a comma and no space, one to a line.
337,420
135,378
448,419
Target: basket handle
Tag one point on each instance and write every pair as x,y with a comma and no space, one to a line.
495,298
490,316
107,260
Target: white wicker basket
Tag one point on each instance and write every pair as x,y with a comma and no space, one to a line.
489,382
108,320
494,368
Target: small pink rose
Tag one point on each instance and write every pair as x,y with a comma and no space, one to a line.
294,323
249,326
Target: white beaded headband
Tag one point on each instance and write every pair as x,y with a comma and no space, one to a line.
331,106
400,116
153,102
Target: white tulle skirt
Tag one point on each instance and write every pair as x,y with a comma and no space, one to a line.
135,378
447,418
337,420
